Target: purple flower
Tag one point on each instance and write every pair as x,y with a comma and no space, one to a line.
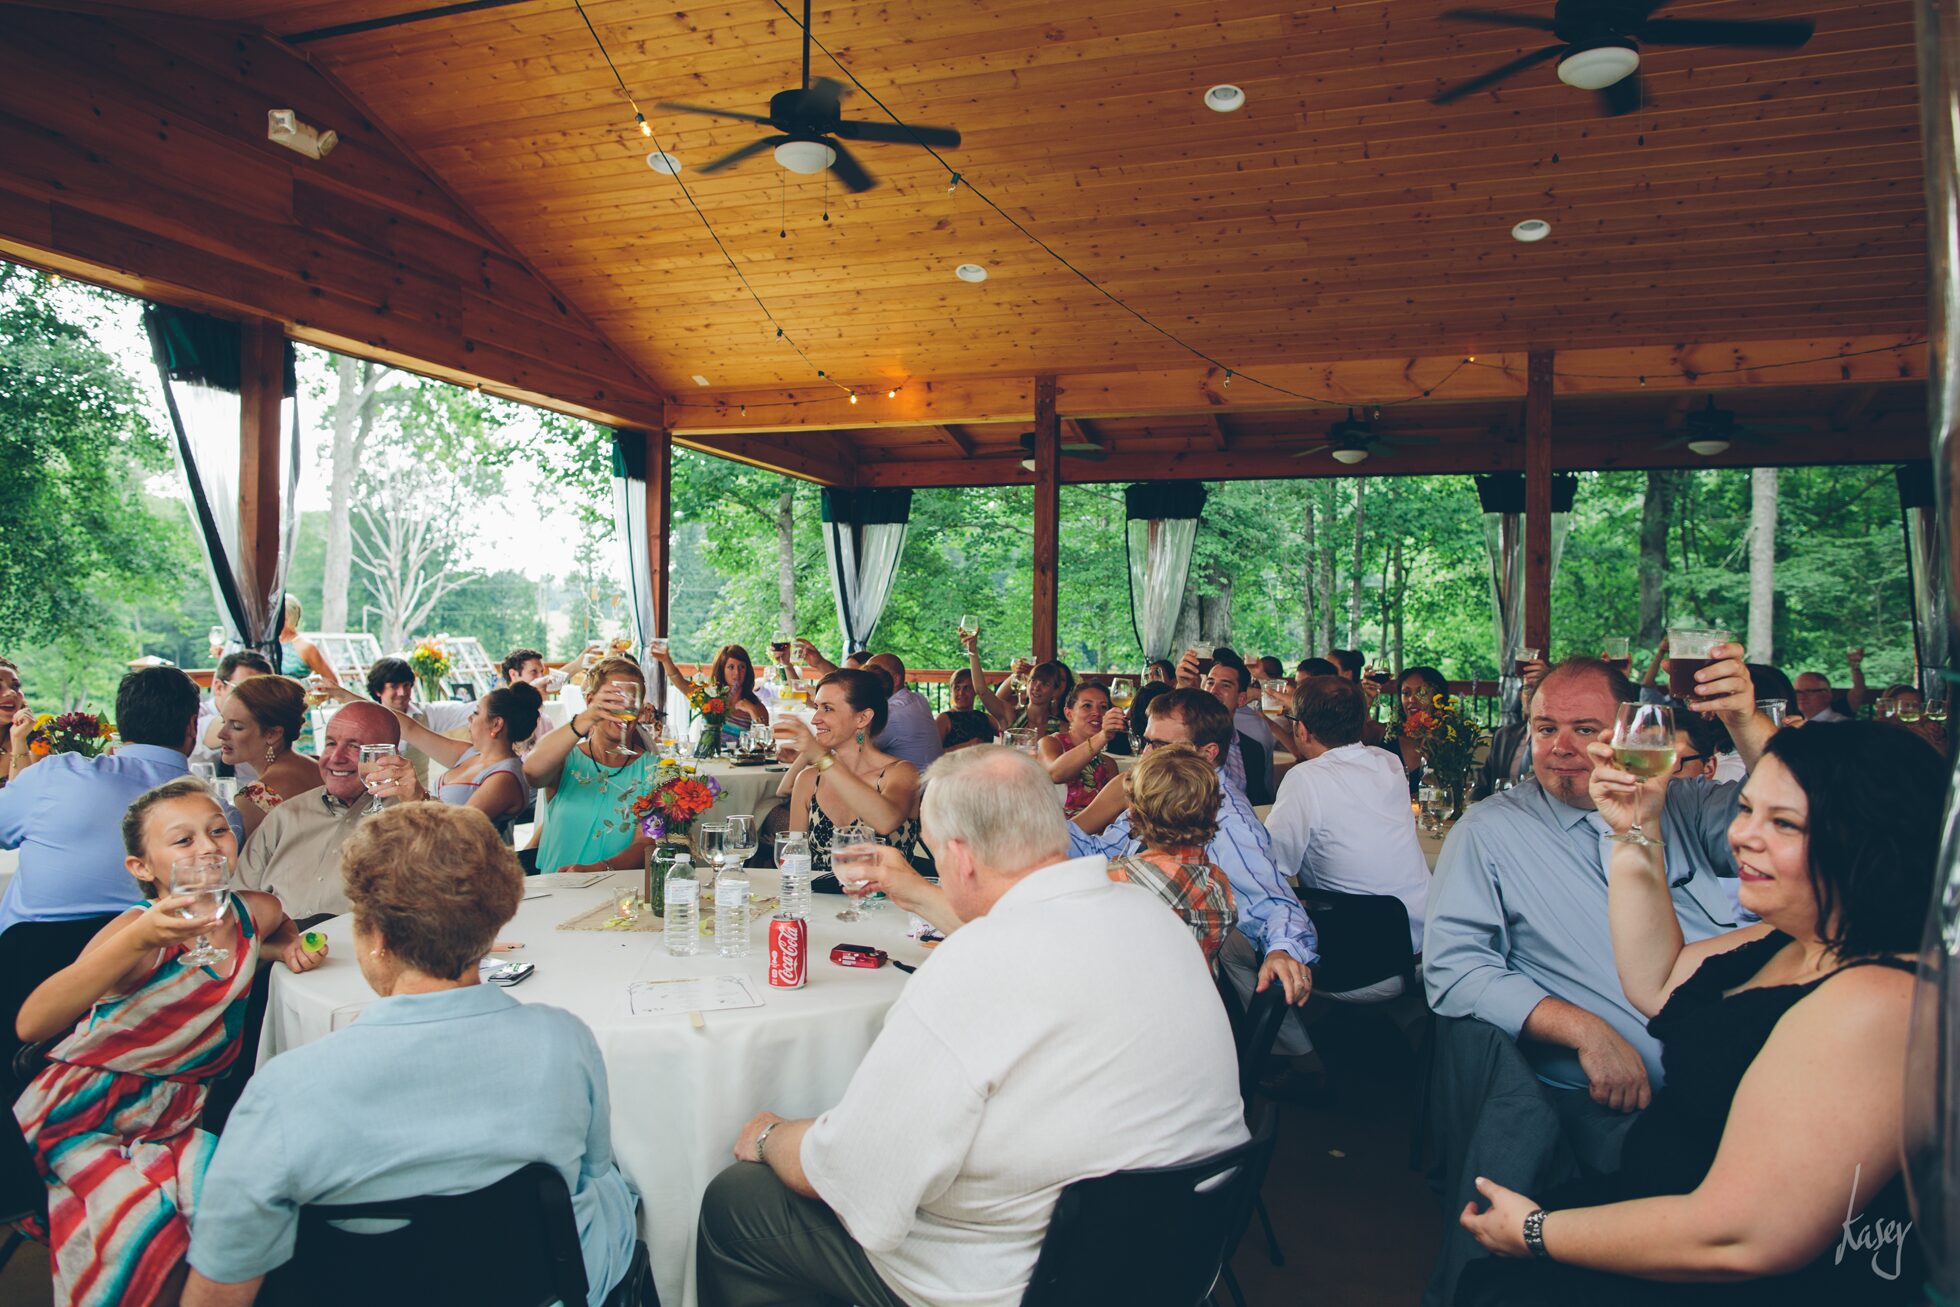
652,827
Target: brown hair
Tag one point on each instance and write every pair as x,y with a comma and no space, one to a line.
1332,708
434,881
1174,798
138,812
274,702
612,669
733,653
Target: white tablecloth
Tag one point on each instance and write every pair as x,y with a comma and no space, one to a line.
679,1095
744,789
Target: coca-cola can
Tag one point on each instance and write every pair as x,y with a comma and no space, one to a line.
789,951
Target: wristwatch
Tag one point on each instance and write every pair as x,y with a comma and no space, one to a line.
759,1139
1534,1225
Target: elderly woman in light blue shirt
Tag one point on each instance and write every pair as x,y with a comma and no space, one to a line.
393,1106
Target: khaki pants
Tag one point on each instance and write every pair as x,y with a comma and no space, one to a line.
759,1245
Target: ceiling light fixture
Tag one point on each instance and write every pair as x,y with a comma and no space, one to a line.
1709,448
664,163
970,272
854,397
891,394
805,156
700,380
1224,98
1531,230
1350,456
1598,67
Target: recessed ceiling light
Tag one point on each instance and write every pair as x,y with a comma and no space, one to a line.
1224,98
664,163
970,272
700,380
1531,229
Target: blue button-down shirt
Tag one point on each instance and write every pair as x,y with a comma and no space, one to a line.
64,814
1517,912
1269,912
394,1106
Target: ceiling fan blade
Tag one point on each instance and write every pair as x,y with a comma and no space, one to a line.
1315,449
1623,96
1499,18
1680,440
1497,74
1751,436
850,171
822,99
678,107
1714,31
899,133
752,148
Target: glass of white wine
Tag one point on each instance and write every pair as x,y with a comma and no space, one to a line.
628,714
368,766
201,879
1122,693
1643,743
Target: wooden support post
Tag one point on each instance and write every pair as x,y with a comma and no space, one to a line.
1047,515
660,522
1538,503
261,390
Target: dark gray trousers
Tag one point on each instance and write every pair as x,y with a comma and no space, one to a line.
760,1245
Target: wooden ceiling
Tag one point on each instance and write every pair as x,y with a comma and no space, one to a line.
1759,196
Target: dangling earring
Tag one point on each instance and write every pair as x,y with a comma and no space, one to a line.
860,737
271,755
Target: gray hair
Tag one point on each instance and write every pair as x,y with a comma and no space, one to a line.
1000,803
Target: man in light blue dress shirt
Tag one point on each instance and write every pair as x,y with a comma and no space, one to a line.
64,813
1517,932
1270,915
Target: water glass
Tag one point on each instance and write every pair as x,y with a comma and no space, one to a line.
711,841
742,837
372,756
1774,709
1430,797
202,879
848,847
1023,740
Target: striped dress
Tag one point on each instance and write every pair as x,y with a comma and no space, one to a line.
113,1121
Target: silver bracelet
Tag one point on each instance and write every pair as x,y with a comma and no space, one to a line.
1534,1231
759,1139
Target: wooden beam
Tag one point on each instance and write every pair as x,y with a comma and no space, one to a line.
919,403
261,391
1221,439
1047,517
1538,504
790,454
961,441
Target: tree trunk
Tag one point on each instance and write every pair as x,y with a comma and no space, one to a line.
1398,567
786,562
1762,565
1310,614
353,421
1324,564
1215,610
1354,590
1656,511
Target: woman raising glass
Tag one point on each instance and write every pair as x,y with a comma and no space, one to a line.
261,721
963,724
732,670
1074,755
842,778
1777,1134
591,769
485,772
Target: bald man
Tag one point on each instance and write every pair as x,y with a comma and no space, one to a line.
295,853
911,731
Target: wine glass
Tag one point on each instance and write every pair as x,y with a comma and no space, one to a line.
969,627
765,739
741,837
711,840
848,849
316,691
202,880
1908,710
1022,739
628,714
1429,798
1643,743
1122,693
372,756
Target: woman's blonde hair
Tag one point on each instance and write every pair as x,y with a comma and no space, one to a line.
1174,798
274,702
612,669
434,881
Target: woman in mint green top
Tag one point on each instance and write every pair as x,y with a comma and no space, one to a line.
590,780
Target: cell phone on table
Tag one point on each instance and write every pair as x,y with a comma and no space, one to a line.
510,973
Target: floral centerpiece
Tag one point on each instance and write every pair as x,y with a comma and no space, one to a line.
80,732
709,704
1449,740
677,798
430,663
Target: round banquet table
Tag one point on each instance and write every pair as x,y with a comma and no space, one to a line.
744,789
679,1094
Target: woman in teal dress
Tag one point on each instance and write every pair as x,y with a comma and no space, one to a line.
590,779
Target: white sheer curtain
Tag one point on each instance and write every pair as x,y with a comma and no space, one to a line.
1162,528
199,361
629,465
863,539
1932,1117
1925,567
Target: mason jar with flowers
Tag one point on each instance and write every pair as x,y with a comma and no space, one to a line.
666,813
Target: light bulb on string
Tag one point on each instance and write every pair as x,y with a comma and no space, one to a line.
953,185
891,394
645,128
854,397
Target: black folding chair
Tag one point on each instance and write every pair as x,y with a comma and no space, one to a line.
1253,1033
1155,1237
510,1244
23,1193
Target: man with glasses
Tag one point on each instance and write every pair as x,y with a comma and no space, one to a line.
1270,915
1815,697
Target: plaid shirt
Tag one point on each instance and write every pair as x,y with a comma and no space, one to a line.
1204,901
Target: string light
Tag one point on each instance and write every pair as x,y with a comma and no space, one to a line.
891,394
646,129
952,185
854,395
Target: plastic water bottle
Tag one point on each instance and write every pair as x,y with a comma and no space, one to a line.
732,911
683,907
795,892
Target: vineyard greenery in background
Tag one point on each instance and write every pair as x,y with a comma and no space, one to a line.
99,564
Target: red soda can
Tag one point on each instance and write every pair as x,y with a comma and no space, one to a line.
789,951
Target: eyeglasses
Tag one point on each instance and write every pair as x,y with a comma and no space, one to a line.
1149,744
1686,758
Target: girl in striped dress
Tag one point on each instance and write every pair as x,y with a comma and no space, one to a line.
113,1117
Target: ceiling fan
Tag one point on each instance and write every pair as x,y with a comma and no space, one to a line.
810,124
1353,439
1082,449
1709,431
1598,44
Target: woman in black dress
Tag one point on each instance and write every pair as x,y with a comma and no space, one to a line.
1767,1168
